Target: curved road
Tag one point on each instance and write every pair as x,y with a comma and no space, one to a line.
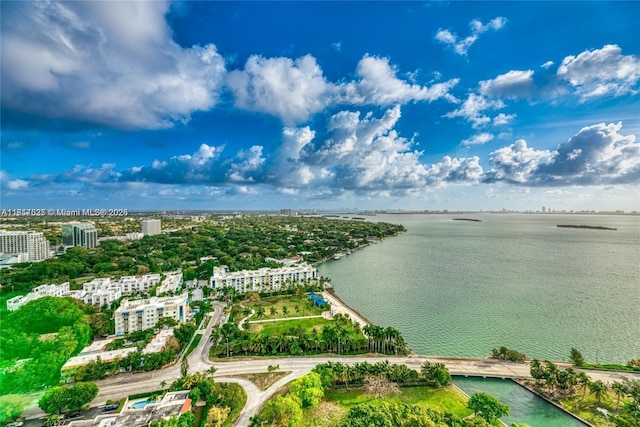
126,384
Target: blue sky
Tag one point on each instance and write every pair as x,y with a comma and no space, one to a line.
368,105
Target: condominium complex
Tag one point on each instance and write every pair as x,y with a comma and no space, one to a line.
264,279
38,292
79,234
172,283
138,315
27,246
98,292
151,227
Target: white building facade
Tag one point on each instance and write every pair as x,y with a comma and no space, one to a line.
138,315
151,227
28,246
263,279
38,292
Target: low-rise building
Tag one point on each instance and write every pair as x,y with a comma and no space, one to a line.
138,284
38,292
141,413
138,315
263,279
172,283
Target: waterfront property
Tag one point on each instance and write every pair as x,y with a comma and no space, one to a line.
137,315
263,279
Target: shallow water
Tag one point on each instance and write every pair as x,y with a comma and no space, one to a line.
463,288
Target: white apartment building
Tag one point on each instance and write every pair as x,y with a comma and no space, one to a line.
172,282
138,315
98,292
138,284
28,246
38,292
151,227
263,279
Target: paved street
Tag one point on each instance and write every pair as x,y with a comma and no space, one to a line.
114,388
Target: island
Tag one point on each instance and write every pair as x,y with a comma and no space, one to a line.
467,219
590,227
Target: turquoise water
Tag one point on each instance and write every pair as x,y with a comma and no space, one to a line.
526,407
140,404
463,288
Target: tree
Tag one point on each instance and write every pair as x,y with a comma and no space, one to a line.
576,357
436,373
487,406
217,415
285,310
80,394
308,389
283,411
54,400
599,389
379,386
619,389
184,367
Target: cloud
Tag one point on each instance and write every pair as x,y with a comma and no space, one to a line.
379,85
337,46
473,108
601,72
288,89
514,84
110,64
295,90
596,155
503,119
478,139
547,64
461,46
517,163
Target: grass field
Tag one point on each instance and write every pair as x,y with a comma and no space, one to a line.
290,301
586,408
194,344
280,327
449,399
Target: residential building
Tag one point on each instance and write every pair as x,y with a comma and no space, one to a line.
27,246
138,284
138,315
38,292
172,283
138,414
263,279
98,292
151,227
79,234
134,236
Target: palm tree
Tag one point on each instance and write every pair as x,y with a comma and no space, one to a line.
619,389
285,310
273,310
260,311
583,381
163,384
297,309
212,370
599,389
246,311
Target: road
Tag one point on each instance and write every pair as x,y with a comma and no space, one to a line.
114,388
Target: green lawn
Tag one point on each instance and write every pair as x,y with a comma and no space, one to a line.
586,408
449,399
276,328
290,301
194,344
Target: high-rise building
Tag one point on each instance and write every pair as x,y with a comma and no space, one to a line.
151,227
79,234
28,246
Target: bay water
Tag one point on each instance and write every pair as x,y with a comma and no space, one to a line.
461,288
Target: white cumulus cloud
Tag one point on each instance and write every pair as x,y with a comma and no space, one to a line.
601,72
478,139
514,84
113,64
462,45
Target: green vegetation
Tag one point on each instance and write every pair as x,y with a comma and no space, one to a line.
576,357
60,398
194,344
239,243
295,306
488,407
264,380
350,399
38,339
581,395
184,420
504,353
11,406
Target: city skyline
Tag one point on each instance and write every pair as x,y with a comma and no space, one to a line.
251,106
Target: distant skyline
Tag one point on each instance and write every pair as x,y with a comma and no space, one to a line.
319,105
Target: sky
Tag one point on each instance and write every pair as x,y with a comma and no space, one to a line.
320,105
